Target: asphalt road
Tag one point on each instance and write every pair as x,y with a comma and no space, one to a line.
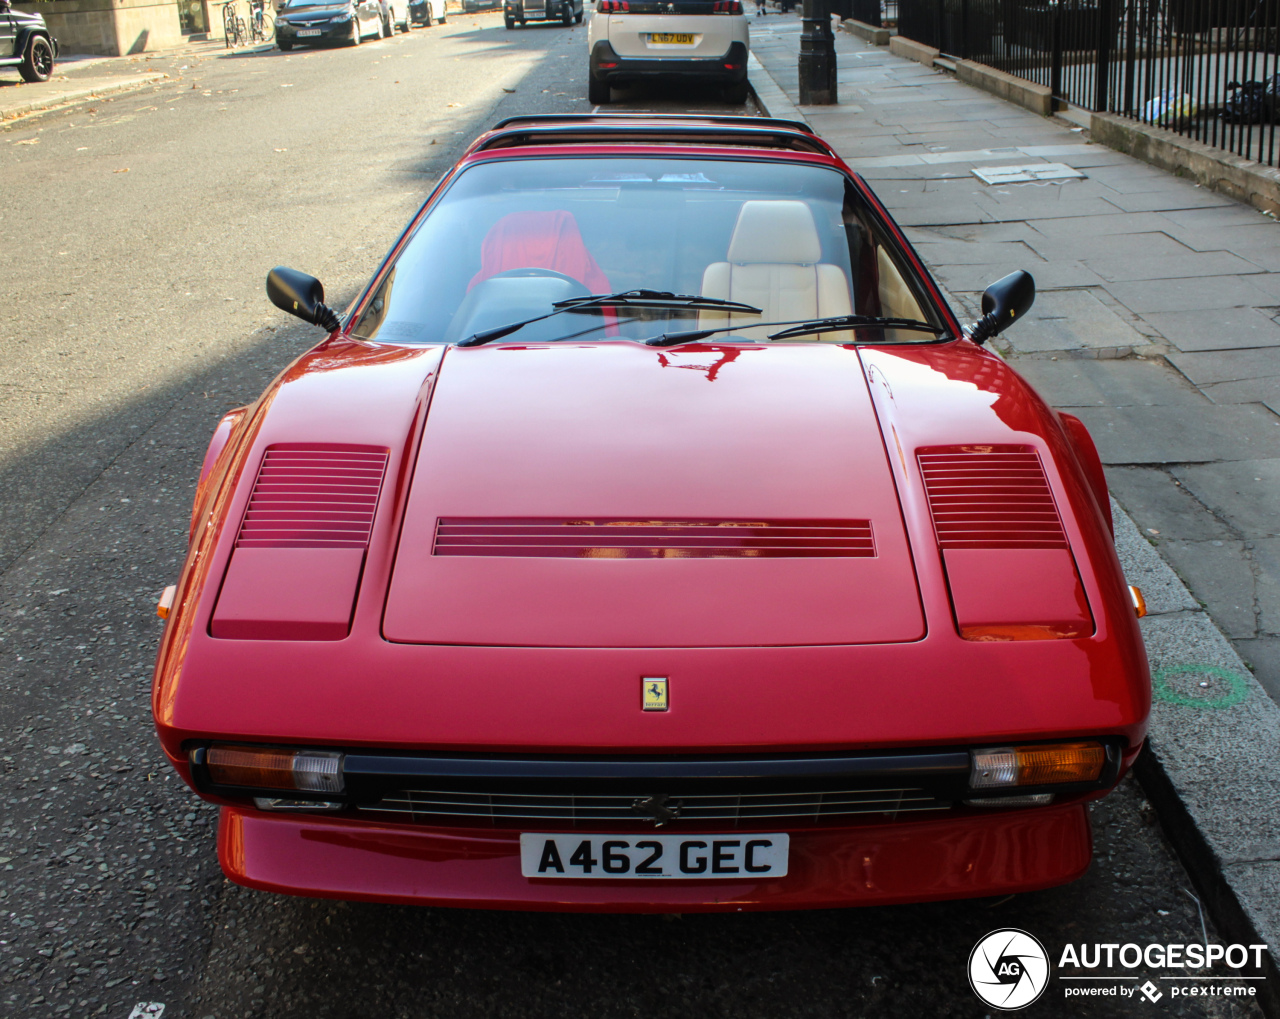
136,234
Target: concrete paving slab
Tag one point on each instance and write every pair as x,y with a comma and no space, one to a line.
1069,382
1177,198
950,252
1227,365
1265,391
1048,275
1014,202
1220,572
1166,434
1167,510
1218,329
1266,561
1190,265
1140,244
1242,239
1108,224
1245,493
1225,215
1192,294
1144,568
1262,655
1070,320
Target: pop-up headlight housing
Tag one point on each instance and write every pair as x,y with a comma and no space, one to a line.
265,768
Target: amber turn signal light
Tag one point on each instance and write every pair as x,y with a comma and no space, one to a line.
1038,765
259,768
165,605
1139,602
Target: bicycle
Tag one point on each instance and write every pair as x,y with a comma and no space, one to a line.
261,26
233,27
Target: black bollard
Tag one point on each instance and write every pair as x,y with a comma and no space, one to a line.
817,55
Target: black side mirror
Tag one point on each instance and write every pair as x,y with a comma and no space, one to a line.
301,295
1003,303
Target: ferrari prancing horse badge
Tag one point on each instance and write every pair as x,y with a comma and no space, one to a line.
654,695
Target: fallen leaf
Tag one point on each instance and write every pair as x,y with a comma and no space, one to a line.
290,85
282,150
28,141
125,170
508,90
452,105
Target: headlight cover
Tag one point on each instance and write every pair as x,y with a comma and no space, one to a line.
1051,764
311,771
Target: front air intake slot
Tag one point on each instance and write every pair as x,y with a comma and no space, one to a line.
990,497
306,497
300,549
615,538
1009,566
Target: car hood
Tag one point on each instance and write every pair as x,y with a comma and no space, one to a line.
618,496
23,19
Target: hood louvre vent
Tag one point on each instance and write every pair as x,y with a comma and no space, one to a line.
313,497
990,497
616,538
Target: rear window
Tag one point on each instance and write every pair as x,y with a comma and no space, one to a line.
509,238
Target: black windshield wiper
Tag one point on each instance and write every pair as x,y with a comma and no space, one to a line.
625,299
798,328
839,322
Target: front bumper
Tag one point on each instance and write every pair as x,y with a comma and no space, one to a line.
962,856
552,12
339,32
607,66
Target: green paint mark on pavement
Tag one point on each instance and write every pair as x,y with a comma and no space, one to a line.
1239,688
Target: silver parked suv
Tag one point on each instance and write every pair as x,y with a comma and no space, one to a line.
645,40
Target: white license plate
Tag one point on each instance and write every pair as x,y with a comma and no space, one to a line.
692,857
672,38
310,31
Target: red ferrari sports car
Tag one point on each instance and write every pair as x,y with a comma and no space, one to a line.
650,536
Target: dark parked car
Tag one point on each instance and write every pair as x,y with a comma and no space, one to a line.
307,22
25,43
567,11
472,6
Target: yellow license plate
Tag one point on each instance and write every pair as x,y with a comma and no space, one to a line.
671,37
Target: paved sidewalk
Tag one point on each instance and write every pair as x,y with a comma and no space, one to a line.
1156,319
79,78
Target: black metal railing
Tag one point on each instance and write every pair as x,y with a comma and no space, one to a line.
1207,69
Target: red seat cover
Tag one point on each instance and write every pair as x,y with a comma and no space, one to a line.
543,240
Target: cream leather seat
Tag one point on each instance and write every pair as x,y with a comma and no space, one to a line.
774,263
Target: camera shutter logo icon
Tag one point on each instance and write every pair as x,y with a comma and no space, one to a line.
1008,969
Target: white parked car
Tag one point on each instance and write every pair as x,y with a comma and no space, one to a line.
645,40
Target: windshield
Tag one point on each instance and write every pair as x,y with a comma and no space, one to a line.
511,238
293,4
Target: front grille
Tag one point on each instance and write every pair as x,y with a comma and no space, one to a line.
631,538
446,806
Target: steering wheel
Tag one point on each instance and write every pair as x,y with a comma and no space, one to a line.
533,270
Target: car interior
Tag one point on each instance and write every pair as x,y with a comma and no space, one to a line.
506,243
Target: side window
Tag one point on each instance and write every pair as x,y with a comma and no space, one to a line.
896,299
